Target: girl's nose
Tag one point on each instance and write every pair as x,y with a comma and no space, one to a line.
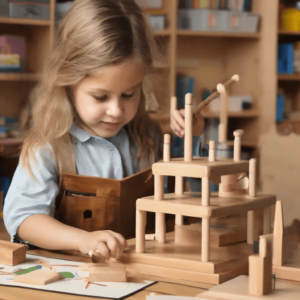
114,108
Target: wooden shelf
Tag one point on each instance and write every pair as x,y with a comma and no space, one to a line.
19,77
184,32
251,113
10,146
25,21
288,32
289,77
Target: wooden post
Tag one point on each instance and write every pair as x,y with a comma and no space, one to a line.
179,191
188,135
205,222
167,148
140,230
160,225
252,193
212,151
237,144
278,236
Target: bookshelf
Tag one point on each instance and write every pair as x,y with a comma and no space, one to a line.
15,87
212,57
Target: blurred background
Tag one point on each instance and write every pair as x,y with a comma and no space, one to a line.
204,42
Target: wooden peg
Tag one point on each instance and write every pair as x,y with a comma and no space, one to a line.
252,177
237,144
160,225
12,253
212,151
39,277
188,135
178,191
167,148
205,240
140,230
221,133
278,236
173,107
250,227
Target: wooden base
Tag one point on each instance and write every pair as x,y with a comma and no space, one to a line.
178,261
237,289
220,234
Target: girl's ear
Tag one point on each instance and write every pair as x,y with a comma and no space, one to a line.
151,103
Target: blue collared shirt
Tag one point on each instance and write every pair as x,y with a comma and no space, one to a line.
113,158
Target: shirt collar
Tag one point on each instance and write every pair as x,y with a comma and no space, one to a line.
79,133
84,136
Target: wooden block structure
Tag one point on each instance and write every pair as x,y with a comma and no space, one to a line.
11,253
115,273
229,202
179,204
39,277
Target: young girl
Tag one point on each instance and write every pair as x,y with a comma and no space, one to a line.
91,88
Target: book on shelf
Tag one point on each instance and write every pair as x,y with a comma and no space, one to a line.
280,107
288,61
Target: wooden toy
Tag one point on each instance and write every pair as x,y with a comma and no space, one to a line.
40,277
192,261
11,253
107,274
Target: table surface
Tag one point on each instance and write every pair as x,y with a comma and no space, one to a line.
13,293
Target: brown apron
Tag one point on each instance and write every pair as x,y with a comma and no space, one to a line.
94,203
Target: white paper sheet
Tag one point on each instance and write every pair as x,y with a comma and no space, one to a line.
76,285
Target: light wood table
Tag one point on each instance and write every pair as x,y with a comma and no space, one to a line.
179,289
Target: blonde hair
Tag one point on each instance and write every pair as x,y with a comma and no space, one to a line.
94,34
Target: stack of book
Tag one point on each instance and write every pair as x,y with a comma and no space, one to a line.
236,5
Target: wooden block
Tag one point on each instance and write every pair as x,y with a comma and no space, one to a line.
40,277
86,267
107,274
260,269
11,253
220,235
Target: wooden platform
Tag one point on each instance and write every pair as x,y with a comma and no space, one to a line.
237,289
190,205
184,261
200,167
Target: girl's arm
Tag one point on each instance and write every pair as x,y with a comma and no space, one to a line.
46,232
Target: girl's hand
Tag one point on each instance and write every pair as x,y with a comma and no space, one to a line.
178,122
108,243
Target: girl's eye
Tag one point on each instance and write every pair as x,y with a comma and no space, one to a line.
102,98
127,95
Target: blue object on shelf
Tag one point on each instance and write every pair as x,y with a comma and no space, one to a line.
280,107
285,58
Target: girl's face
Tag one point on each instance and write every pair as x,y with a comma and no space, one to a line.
108,100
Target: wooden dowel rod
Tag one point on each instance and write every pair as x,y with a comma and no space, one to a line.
221,88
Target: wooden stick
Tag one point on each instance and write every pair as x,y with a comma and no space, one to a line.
160,226
141,216
205,240
212,151
224,116
252,177
278,235
178,191
188,135
167,148
221,88
250,227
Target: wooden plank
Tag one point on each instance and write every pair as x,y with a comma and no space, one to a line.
39,277
191,206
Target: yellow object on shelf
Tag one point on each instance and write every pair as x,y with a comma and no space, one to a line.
291,19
